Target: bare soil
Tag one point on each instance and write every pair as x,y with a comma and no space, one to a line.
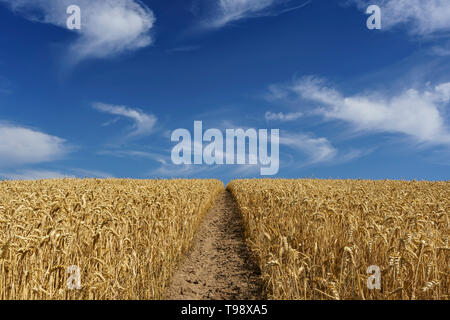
219,265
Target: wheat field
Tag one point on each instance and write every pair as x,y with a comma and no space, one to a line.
312,239
315,239
125,236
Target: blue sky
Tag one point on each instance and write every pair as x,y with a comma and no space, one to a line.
102,101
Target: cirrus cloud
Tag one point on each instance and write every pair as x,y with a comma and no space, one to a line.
109,27
418,114
280,116
317,149
143,123
423,18
38,174
224,12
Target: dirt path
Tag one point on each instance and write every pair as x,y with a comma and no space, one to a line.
219,266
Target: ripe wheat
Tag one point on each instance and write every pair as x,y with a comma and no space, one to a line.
315,239
126,236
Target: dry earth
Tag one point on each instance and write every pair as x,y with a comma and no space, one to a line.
219,265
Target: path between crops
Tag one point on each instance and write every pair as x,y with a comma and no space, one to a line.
219,265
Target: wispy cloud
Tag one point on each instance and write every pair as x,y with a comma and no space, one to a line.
319,150
170,170
283,117
163,159
418,114
20,145
109,27
143,123
34,175
232,10
226,11
183,49
442,50
37,174
316,149
421,17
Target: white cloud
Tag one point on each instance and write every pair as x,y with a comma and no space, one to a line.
232,10
226,11
109,27
170,170
317,149
280,116
143,123
442,51
417,114
137,154
183,49
19,145
423,17
34,175
37,174
440,48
